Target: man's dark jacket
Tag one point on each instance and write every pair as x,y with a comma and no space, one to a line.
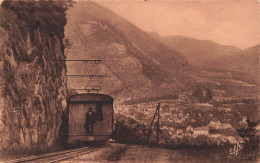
90,118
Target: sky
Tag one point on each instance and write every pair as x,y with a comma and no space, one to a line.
228,22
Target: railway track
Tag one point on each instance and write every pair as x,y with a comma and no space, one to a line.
57,156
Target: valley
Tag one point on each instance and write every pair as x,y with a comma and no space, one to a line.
145,69
206,93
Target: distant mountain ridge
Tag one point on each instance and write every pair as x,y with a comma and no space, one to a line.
199,52
208,54
133,61
246,60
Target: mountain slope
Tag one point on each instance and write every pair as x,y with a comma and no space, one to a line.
136,65
210,55
246,61
199,52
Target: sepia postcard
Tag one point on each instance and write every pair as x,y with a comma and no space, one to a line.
129,81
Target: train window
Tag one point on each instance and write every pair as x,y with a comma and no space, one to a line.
99,112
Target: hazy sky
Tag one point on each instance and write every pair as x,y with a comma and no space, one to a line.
229,22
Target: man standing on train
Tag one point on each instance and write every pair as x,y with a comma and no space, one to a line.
90,121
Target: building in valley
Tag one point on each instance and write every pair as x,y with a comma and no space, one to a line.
201,131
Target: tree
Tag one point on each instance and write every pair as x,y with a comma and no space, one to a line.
208,96
198,94
249,133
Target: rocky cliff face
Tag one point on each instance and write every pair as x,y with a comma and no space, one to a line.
33,85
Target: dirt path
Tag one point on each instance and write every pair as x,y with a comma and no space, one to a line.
122,153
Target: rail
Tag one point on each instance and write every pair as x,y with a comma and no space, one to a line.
57,156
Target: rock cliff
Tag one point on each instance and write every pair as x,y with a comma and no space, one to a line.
33,85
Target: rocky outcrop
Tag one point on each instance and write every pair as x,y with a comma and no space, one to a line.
33,85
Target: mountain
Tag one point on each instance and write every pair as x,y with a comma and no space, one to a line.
246,61
136,65
199,52
205,54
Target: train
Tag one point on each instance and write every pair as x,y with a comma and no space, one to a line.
91,117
